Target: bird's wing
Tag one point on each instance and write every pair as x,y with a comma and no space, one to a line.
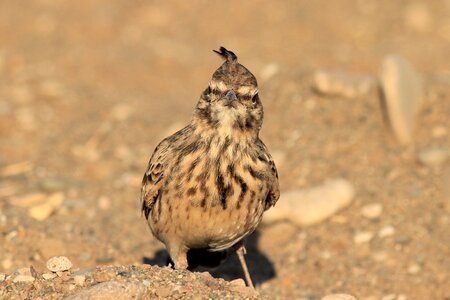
274,192
154,176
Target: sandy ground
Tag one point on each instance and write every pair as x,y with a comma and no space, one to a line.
88,90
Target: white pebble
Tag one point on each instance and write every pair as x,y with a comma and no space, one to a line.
2,277
414,269
433,157
403,93
372,211
48,276
59,264
439,131
386,231
362,237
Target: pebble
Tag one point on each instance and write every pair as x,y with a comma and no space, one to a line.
7,263
48,276
342,84
417,17
414,269
386,231
104,203
23,278
362,237
403,92
338,297
2,277
372,211
433,156
238,282
79,279
439,131
42,211
305,207
59,264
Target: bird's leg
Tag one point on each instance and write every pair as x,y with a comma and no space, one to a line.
178,255
240,251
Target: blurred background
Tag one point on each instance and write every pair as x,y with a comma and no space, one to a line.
88,89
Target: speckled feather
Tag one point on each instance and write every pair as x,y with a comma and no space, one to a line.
207,185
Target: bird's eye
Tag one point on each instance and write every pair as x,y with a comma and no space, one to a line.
255,99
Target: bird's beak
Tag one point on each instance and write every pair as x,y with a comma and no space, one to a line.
230,97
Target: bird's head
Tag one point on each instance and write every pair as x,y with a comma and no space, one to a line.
231,100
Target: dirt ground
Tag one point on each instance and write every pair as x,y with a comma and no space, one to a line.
88,89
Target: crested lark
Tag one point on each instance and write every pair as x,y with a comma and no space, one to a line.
208,185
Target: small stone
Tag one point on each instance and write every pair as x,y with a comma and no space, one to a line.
7,263
59,264
433,157
43,211
401,297
309,206
104,203
339,297
403,92
2,277
414,269
342,84
386,231
372,211
23,278
238,282
439,131
389,297
79,279
146,282
362,237
417,16
48,276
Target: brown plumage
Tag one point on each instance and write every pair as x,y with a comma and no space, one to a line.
208,185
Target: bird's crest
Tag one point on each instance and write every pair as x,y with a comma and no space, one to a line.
228,55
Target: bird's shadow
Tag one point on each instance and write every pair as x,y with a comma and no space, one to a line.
224,265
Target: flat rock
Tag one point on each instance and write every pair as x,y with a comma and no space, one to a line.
372,210
342,84
362,237
42,211
305,207
433,156
403,92
59,264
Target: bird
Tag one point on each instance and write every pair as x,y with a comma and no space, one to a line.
208,185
